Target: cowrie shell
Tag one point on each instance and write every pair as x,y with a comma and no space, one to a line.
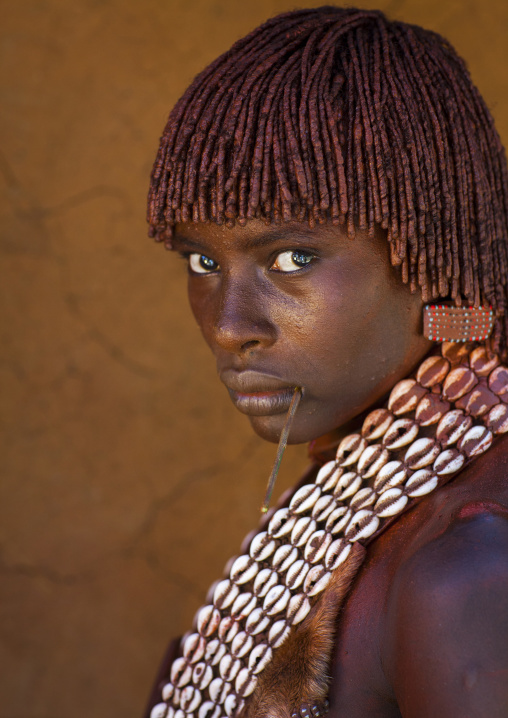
228,628
475,441
404,396
262,546
303,528
376,424
350,449
305,498
448,462
392,474
338,519
420,483
243,570
194,648
212,648
433,371
497,419
478,401
190,699
245,683
401,433
372,460
243,605
284,557
265,580
159,711
208,620
296,574
430,409
421,453
317,546
276,600
316,581
459,381
260,656
337,553
328,475
181,672
347,486
452,426
218,690
363,524
225,593
323,507
233,705
202,675
298,609
278,633
455,352
256,622
482,361
362,499
218,651
390,503
281,523
210,710
242,644
498,382
229,667
169,691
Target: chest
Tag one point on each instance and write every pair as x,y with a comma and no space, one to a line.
359,686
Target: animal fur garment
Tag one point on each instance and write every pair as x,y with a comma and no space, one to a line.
298,672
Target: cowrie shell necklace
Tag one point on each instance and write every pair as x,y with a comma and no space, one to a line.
432,426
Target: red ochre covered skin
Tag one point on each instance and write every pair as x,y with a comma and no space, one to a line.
424,630
478,508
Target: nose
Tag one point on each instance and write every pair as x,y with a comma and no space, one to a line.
242,319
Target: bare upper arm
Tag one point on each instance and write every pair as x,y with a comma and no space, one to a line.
447,638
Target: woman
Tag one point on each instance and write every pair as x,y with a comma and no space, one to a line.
338,188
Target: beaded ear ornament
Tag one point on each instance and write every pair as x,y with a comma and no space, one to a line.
443,323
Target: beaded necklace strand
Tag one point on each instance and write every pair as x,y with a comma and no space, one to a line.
433,425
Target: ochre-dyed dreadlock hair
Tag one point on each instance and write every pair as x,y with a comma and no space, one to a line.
339,115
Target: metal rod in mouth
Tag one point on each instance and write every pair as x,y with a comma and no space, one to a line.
281,447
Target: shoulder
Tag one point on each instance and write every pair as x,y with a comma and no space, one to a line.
448,617
470,555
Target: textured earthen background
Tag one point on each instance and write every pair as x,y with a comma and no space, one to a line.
127,478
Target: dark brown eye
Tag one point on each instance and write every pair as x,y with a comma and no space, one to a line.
201,264
292,260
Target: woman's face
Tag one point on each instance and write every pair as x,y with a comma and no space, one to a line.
285,306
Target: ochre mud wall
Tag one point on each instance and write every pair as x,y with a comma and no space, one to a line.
127,478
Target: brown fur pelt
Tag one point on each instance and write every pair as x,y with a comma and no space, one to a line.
299,670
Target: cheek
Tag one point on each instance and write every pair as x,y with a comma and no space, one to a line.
201,305
359,326
342,314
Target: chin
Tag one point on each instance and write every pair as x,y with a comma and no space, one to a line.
269,428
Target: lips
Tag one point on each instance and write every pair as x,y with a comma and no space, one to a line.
256,393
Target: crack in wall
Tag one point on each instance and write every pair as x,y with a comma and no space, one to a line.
56,578
81,198
113,351
133,550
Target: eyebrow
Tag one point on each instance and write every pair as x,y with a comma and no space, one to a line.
179,238
276,235
262,240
